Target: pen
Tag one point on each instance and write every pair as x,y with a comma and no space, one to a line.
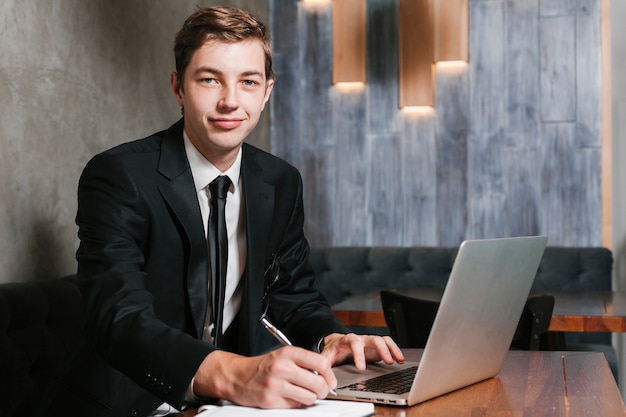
280,336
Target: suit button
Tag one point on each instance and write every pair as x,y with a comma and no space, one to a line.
134,413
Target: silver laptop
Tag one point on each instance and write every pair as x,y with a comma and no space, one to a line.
473,329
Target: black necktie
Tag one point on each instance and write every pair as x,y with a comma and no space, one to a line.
219,252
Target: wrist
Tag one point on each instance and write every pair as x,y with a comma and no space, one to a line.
319,346
213,379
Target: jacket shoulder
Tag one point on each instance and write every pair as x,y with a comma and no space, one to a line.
259,159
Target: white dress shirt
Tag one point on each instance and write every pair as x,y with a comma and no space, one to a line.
203,173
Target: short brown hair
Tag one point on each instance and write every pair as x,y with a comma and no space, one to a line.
221,23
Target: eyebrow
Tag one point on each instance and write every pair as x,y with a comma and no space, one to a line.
218,72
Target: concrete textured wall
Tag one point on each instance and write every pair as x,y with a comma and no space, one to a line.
76,78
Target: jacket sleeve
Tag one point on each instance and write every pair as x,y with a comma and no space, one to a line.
295,304
115,221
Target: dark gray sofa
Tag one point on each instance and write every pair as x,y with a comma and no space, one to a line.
40,321
39,324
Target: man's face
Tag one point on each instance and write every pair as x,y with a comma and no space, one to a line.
223,93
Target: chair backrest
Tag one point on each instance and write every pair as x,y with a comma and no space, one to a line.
410,319
534,323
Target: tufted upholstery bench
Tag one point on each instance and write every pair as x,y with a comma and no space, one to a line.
346,271
39,324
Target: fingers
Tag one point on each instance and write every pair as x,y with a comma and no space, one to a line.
289,377
319,367
363,349
305,373
383,348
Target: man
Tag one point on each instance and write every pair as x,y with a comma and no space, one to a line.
144,267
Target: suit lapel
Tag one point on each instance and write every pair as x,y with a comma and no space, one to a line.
180,194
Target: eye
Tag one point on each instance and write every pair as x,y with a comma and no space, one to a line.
250,83
208,80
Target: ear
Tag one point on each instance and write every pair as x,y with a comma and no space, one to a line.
268,92
177,88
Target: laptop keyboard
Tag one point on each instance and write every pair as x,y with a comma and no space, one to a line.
398,382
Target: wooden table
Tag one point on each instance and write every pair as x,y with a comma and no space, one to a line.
574,311
531,383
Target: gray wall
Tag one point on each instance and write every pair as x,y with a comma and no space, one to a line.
513,146
76,77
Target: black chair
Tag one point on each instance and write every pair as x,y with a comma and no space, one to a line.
410,319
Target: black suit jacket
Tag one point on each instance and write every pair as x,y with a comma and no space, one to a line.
143,271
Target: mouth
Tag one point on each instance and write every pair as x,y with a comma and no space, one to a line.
227,124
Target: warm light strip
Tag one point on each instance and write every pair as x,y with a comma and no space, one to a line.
451,30
349,41
349,87
418,110
416,53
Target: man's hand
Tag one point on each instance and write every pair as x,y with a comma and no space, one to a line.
340,347
284,378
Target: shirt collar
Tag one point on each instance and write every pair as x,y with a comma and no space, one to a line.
203,171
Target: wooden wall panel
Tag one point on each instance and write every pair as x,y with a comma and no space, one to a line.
349,41
512,146
416,52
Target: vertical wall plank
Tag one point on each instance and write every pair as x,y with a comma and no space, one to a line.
386,191
285,100
419,161
452,115
488,115
557,7
522,181
588,67
522,73
558,68
315,135
588,135
316,168
382,70
351,162
560,184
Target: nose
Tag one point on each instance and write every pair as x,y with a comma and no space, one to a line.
228,100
